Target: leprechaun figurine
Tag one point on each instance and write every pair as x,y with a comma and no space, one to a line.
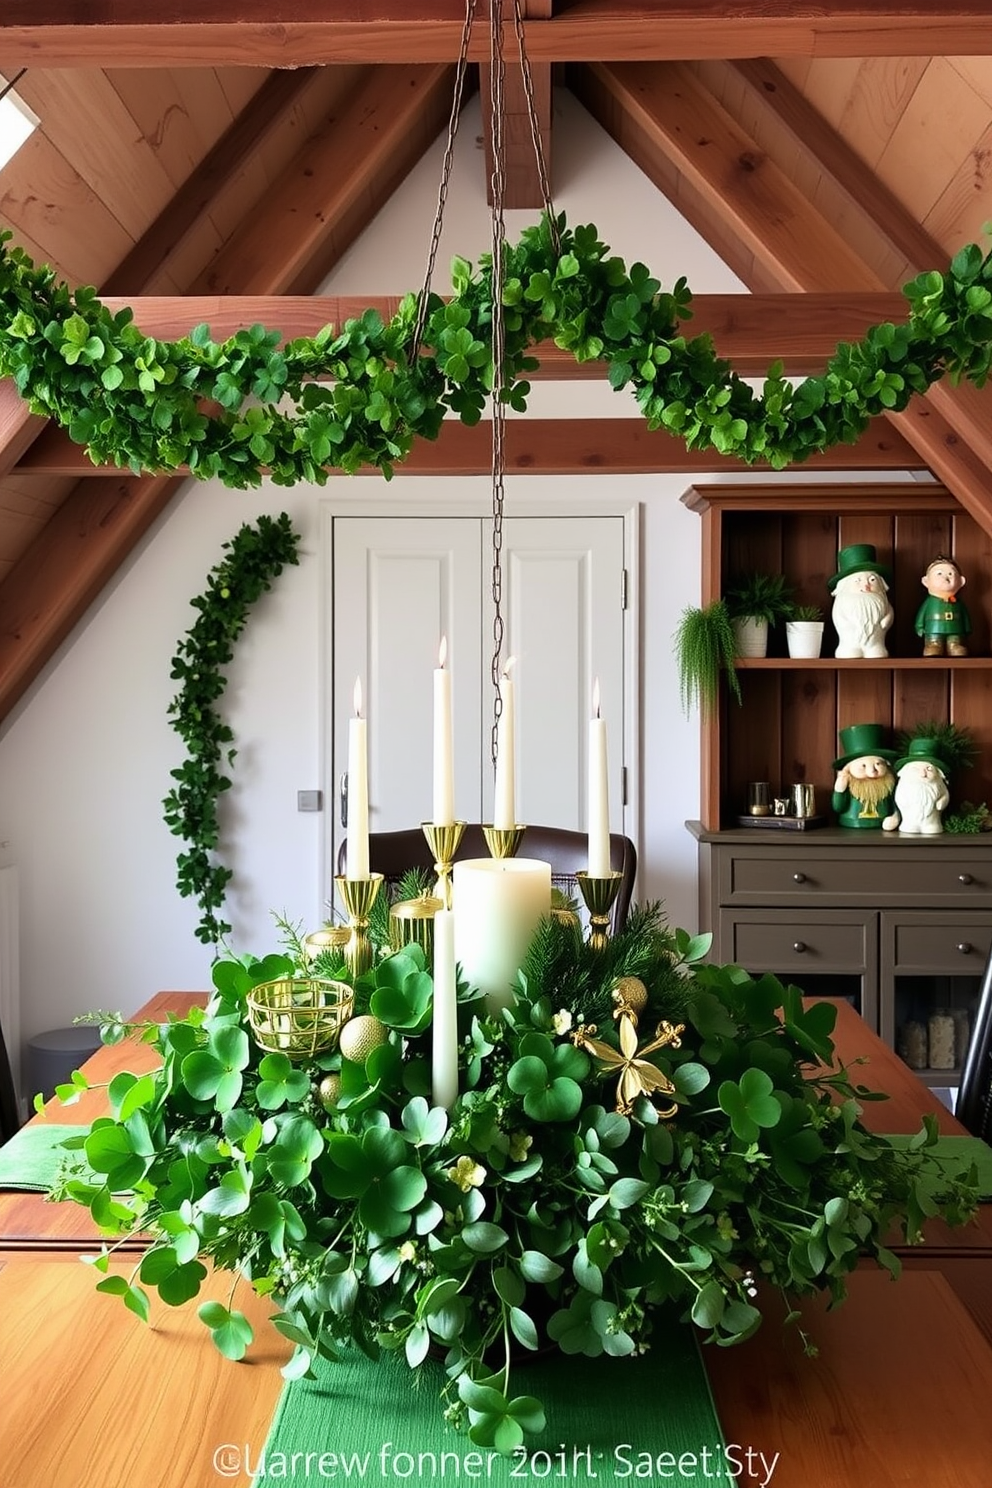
942,619
865,780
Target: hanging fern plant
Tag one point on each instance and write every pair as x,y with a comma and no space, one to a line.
255,556
247,408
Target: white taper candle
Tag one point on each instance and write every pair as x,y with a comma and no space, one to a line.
444,779
444,1027
357,856
505,799
599,794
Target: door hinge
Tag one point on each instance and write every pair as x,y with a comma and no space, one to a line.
623,588
623,785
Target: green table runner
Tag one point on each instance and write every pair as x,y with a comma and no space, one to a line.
956,1155
608,1420
32,1158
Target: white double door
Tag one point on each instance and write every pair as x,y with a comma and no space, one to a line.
400,583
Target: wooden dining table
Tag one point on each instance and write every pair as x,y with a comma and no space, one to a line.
896,1395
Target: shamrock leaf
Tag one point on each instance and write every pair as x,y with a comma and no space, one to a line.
750,1104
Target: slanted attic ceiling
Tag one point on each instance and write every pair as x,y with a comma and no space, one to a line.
237,150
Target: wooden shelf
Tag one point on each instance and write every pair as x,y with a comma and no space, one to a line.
856,664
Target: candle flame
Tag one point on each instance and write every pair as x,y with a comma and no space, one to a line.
442,651
595,699
358,697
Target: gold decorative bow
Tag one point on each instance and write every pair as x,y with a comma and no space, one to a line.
636,1075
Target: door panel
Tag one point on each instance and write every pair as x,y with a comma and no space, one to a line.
564,626
400,583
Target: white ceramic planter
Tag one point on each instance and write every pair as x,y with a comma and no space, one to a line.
752,636
804,637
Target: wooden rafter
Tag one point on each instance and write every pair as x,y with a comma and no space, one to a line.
100,521
534,446
288,33
672,125
522,176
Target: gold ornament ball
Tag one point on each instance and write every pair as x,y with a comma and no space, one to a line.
328,1091
632,991
360,1036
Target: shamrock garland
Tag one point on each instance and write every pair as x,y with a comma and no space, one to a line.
254,558
244,409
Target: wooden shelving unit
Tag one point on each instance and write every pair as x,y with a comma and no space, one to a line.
787,729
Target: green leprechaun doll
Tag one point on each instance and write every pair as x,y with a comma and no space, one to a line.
865,780
942,619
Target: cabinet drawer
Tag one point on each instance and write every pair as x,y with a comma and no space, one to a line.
792,944
905,874
945,945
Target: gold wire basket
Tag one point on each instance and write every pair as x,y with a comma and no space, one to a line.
299,1016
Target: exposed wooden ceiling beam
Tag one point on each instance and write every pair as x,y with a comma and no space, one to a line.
686,142
522,186
621,446
288,33
99,522
66,567
751,331
18,428
336,185
267,113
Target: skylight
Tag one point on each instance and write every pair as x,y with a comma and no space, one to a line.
17,122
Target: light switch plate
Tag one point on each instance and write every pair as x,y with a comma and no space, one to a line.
308,800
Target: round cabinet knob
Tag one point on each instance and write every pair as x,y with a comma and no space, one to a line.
799,946
966,948
799,878
965,878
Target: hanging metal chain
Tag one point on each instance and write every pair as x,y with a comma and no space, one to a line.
449,151
497,79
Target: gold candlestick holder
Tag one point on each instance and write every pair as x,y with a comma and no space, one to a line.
599,895
443,842
358,896
503,842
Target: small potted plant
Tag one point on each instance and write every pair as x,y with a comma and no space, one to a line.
754,602
804,630
705,647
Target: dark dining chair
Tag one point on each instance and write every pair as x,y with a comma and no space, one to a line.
395,853
974,1103
10,1116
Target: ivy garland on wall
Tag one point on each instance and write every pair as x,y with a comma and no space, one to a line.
245,409
255,557
360,395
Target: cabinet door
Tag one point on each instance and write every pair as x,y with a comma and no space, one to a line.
932,966
831,953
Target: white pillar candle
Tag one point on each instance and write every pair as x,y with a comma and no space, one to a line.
599,794
499,903
505,800
357,855
444,1026
444,777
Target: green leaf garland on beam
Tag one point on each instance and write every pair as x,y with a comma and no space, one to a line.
245,409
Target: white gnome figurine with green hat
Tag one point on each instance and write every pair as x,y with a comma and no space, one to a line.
921,790
861,610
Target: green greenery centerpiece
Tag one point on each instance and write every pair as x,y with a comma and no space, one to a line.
639,1137
759,596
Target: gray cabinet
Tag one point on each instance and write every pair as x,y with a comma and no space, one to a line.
899,926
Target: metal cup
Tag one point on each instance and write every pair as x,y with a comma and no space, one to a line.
803,800
780,806
759,795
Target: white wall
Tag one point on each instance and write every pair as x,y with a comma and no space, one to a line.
85,758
